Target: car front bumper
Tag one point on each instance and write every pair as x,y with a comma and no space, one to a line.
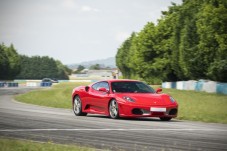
145,111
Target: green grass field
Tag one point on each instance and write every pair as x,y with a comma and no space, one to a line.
195,106
23,145
58,96
200,106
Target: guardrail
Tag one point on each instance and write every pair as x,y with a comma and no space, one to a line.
37,83
201,85
9,84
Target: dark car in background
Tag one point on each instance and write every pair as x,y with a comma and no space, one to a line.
54,80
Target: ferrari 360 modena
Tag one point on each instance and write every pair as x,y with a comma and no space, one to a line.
123,98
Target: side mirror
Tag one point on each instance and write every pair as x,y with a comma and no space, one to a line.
87,88
103,90
158,90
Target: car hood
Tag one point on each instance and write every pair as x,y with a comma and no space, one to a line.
148,98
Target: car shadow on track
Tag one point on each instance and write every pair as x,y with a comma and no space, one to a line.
133,119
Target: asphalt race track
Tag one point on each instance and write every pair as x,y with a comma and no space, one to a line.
19,120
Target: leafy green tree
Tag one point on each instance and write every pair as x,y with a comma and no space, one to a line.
189,42
25,71
63,70
212,30
4,63
146,59
13,65
95,67
164,43
189,39
37,67
10,62
80,68
124,57
131,57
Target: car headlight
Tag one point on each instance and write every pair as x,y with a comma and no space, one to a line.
128,99
172,99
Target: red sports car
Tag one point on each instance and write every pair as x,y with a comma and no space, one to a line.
123,98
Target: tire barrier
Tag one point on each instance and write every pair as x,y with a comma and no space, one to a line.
33,84
201,85
180,85
173,85
2,84
168,84
190,85
12,84
45,84
28,84
60,81
221,88
8,84
210,86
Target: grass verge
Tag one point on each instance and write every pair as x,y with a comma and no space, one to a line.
58,96
195,106
23,145
200,106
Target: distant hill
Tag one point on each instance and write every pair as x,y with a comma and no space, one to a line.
108,62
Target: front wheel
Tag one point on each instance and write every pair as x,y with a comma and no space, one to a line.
165,118
113,109
77,107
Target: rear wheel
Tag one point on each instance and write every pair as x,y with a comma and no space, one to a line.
77,107
165,118
113,109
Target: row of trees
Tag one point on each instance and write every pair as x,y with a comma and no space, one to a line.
188,42
9,62
80,68
13,65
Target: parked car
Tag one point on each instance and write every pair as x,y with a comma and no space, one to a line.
50,80
123,98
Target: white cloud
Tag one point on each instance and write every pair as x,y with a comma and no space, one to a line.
89,9
122,36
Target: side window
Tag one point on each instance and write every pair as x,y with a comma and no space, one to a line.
104,85
96,86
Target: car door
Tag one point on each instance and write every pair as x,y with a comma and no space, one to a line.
99,98
93,97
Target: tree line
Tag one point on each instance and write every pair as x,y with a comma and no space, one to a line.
16,66
188,42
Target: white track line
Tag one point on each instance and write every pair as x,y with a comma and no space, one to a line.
34,130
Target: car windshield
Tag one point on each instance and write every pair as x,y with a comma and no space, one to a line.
131,87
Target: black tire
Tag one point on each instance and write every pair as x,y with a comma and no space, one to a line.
77,107
165,118
113,109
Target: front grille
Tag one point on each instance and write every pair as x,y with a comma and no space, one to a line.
137,111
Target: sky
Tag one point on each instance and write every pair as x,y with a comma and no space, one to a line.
74,31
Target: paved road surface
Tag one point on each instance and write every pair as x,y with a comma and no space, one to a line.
32,122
